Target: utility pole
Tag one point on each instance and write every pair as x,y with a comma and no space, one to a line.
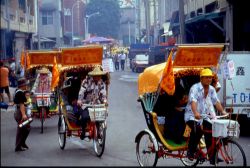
38,25
182,22
147,18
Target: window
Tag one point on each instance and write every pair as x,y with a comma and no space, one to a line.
47,17
22,5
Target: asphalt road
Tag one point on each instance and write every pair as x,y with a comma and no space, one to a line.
125,120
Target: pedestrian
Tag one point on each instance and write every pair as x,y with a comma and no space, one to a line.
12,74
201,101
20,115
4,82
116,60
92,91
122,58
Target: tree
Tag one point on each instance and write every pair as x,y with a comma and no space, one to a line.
107,23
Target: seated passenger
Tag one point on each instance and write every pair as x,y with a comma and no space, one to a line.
72,116
174,122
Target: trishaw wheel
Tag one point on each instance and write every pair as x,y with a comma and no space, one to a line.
188,162
43,111
62,131
145,150
99,138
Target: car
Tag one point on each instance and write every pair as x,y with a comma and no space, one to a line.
139,63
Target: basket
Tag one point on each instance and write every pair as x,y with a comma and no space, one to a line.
225,128
98,113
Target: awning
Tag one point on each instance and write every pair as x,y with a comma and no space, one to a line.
203,17
174,20
43,39
208,16
166,26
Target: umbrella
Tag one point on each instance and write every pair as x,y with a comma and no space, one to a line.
97,40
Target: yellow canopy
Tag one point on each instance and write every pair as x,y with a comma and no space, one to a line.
148,80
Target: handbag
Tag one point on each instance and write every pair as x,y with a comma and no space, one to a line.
17,115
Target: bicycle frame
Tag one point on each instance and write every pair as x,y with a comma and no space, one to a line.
216,144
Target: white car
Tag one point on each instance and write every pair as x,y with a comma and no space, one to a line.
139,63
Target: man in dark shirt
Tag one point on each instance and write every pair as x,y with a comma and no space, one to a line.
20,115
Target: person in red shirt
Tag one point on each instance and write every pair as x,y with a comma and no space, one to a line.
4,82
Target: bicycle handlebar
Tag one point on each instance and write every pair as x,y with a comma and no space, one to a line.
93,105
217,117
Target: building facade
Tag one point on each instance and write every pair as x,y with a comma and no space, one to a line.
18,24
49,32
194,21
73,24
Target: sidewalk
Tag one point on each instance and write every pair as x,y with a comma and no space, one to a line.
10,108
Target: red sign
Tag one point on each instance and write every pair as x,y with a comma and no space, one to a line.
83,55
197,56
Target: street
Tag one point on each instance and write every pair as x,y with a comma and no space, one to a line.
124,121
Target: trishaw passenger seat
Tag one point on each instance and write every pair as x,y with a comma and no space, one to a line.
71,115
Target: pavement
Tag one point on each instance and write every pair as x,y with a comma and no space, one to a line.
10,108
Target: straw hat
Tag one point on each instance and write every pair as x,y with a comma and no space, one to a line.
22,82
43,70
96,72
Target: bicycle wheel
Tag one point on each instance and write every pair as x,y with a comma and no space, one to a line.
42,113
232,154
62,132
188,162
99,138
145,150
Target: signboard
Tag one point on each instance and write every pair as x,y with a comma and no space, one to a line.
107,65
228,70
197,56
82,55
43,57
127,3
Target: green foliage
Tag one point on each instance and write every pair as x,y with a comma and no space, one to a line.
107,23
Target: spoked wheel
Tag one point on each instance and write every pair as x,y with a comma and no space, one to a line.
146,150
62,132
42,113
188,162
232,154
99,138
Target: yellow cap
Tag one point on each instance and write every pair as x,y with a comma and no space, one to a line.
206,72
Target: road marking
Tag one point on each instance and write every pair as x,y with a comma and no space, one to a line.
129,78
77,141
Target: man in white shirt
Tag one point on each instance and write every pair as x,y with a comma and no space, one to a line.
122,58
201,101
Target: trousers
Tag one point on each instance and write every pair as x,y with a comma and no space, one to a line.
83,115
21,135
196,134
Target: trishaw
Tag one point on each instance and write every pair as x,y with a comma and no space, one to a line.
153,143
44,100
76,63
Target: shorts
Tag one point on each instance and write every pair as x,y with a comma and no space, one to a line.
6,89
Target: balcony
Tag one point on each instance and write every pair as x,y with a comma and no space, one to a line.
18,21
